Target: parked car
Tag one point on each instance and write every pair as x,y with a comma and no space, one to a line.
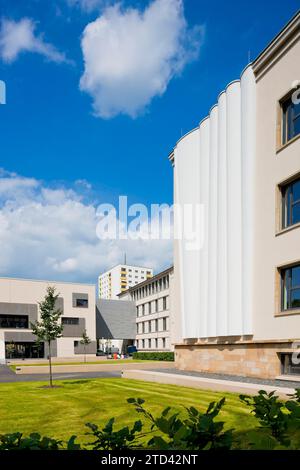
131,349
100,352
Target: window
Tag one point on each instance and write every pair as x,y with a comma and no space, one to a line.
143,309
165,324
290,119
149,326
149,307
291,203
70,321
82,303
290,288
13,321
163,342
156,343
288,366
164,303
143,344
143,327
156,325
156,305
149,343
76,344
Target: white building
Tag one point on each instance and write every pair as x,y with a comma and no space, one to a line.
19,308
237,300
154,320
120,278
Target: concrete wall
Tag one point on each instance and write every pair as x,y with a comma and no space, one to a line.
115,319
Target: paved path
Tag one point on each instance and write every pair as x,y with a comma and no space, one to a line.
233,378
7,375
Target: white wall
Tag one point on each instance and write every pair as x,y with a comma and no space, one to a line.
214,166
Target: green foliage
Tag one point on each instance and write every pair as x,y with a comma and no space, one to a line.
34,441
154,356
275,415
50,327
109,439
85,339
199,431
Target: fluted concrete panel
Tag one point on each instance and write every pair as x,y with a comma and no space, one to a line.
214,166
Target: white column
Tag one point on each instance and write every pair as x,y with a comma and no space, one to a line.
2,347
248,104
212,228
222,281
234,209
204,197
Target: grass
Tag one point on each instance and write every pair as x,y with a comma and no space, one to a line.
63,411
107,361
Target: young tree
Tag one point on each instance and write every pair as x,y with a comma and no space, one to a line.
49,327
85,341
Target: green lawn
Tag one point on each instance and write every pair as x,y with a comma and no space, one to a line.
106,361
61,412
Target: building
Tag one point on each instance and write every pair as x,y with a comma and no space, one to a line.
120,278
115,324
237,299
153,306
19,307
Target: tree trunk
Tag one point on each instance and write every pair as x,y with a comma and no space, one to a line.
50,364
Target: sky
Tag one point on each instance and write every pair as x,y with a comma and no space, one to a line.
98,93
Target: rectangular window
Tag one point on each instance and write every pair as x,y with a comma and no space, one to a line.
156,343
149,343
82,303
288,366
291,203
290,119
143,344
165,324
163,343
149,307
156,325
76,344
70,321
143,327
164,303
13,321
290,288
149,326
156,305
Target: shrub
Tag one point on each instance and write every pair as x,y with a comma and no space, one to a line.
154,356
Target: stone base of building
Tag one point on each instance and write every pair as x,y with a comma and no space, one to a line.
249,358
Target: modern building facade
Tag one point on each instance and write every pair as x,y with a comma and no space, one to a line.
237,299
153,304
120,278
115,324
19,308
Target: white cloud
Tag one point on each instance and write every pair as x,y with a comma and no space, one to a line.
50,233
87,5
130,56
19,36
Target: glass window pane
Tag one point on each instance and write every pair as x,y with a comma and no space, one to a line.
296,213
295,298
296,190
296,277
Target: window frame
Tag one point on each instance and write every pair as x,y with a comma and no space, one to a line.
285,103
286,299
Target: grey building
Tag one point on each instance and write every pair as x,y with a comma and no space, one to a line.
115,323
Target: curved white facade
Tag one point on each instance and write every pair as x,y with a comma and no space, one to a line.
214,167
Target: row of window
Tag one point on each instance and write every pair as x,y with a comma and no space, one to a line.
152,307
21,321
151,343
153,326
151,288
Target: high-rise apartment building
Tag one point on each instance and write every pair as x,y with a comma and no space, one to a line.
120,278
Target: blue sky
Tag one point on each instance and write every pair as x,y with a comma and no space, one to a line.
51,136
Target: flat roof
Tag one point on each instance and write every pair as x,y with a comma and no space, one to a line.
49,281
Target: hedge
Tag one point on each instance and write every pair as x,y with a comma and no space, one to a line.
154,356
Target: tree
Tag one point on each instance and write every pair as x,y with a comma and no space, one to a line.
49,327
85,341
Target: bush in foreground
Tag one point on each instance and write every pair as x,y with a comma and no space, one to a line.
154,356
